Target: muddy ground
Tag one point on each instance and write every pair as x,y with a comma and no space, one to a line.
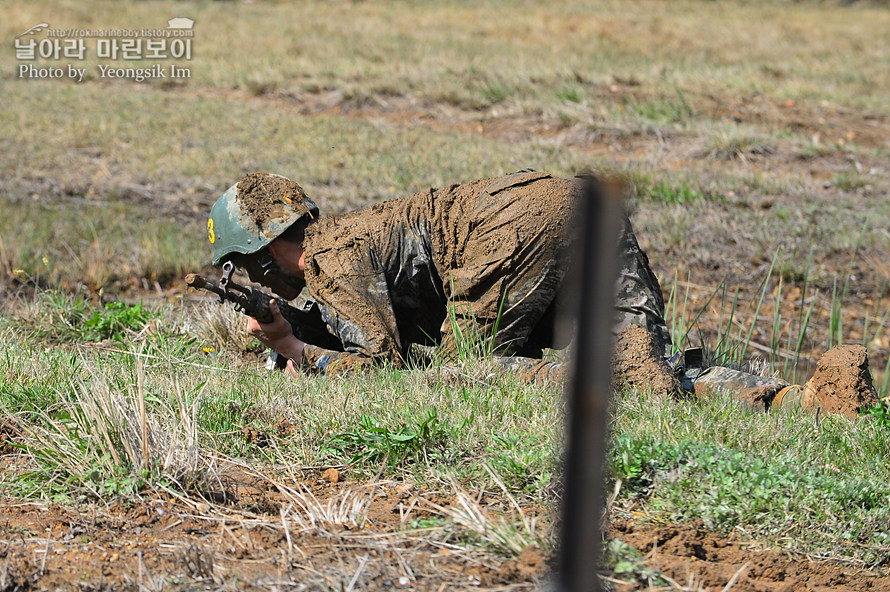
254,532
695,559
278,533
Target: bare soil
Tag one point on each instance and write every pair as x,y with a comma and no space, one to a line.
696,559
251,534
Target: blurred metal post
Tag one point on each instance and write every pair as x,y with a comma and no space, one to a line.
588,392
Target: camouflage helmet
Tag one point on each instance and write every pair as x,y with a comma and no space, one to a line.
254,212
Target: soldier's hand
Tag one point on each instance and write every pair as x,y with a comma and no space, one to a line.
278,334
268,333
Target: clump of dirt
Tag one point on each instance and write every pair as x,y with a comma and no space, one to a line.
255,437
842,383
8,436
532,562
268,197
284,428
637,363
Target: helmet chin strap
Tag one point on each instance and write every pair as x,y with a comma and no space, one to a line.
271,270
292,281
274,275
262,268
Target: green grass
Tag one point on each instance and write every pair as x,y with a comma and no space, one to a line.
372,441
818,486
351,47
664,110
205,144
664,190
788,348
376,419
570,93
59,317
92,246
811,485
627,564
849,182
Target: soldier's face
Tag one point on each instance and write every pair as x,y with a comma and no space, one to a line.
289,256
260,270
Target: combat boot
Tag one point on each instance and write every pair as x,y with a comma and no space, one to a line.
754,391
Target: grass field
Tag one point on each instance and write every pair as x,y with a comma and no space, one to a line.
753,141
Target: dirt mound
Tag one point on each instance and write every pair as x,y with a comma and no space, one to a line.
701,560
268,197
638,364
842,383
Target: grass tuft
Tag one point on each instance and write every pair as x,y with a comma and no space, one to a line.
372,443
55,315
495,91
100,441
730,146
850,182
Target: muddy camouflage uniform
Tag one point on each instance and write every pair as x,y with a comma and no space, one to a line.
457,261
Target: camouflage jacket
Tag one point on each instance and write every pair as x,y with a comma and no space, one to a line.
482,259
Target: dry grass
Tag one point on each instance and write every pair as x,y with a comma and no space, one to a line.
362,102
104,441
456,50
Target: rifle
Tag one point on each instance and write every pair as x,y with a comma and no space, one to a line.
306,322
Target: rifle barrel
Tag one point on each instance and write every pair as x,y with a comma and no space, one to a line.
193,280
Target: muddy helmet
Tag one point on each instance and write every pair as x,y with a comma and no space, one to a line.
254,212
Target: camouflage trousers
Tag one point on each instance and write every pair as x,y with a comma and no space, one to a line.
758,392
639,301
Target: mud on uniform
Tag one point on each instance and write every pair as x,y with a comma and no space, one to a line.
461,260
638,301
